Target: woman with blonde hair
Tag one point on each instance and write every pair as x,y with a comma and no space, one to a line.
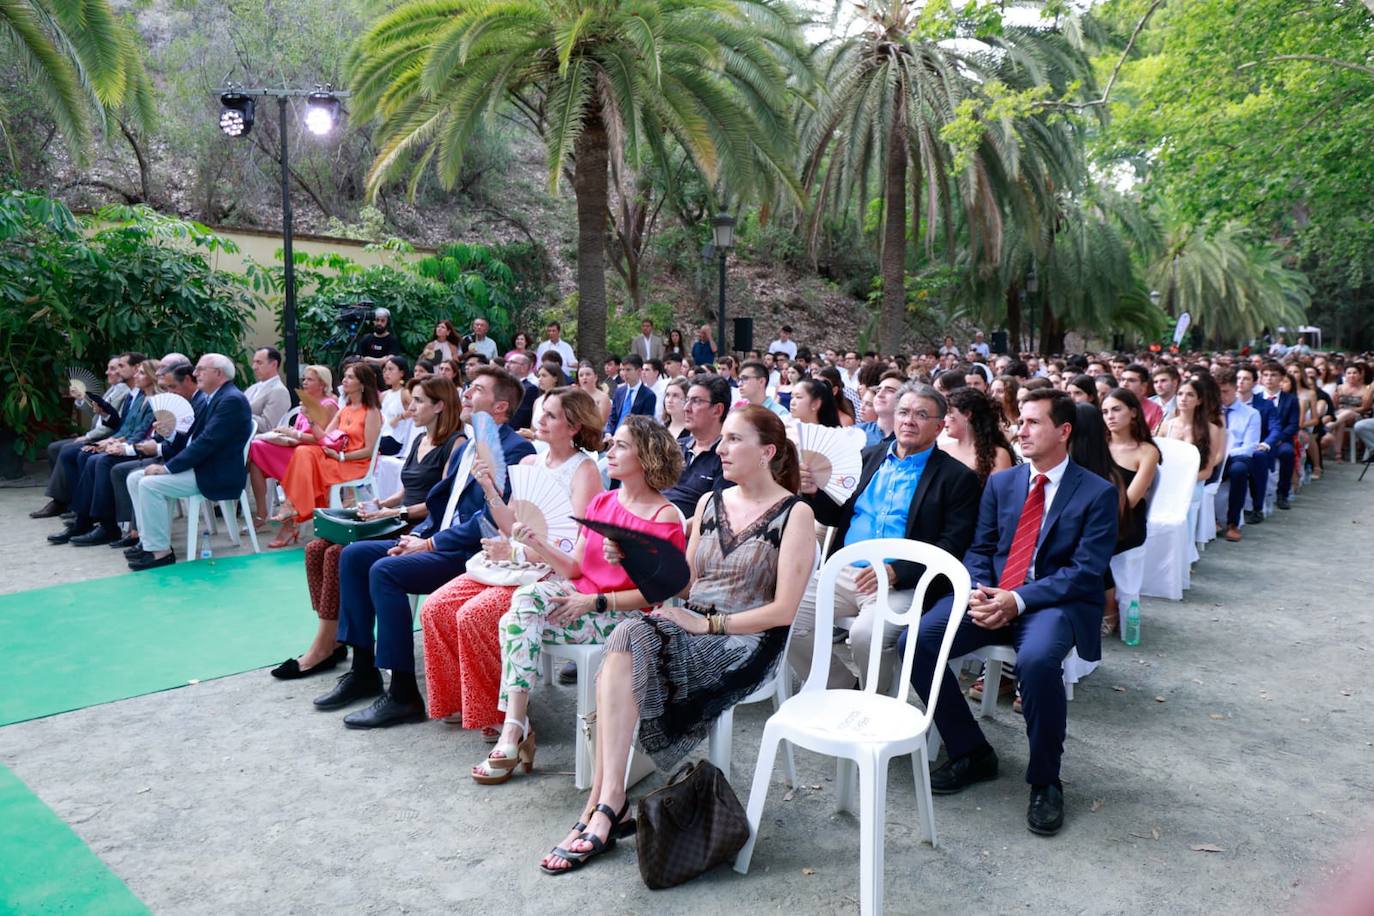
462,646
270,452
589,592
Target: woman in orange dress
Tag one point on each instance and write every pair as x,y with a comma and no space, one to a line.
344,452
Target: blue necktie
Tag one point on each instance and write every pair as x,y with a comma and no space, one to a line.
625,407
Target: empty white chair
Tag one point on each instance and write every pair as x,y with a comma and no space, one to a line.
366,482
862,728
197,505
1168,540
587,660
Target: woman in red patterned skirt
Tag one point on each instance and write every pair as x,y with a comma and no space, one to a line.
462,652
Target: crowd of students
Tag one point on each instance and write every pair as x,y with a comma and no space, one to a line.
1036,472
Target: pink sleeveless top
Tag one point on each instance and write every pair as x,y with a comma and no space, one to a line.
600,577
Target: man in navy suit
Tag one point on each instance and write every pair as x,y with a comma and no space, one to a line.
211,464
375,577
1278,441
633,397
1045,534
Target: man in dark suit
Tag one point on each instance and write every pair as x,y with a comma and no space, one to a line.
1045,534
522,417
211,464
1278,442
1270,433
375,577
907,488
633,397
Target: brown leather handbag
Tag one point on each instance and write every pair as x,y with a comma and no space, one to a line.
689,826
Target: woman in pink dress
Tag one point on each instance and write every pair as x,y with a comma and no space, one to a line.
271,452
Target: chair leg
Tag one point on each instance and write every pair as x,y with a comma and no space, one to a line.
586,702
207,512
247,506
546,668
721,741
231,522
758,794
193,518
873,802
789,761
925,804
846,786
336,497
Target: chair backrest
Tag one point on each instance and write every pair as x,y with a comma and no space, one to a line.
1177,478
290,416
376,450
937,563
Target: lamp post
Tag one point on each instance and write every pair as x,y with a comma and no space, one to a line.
723,234
1032,287
322,114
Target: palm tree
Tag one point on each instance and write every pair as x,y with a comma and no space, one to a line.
84,61
894,96
599,78
1232,286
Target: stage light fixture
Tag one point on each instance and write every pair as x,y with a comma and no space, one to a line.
321,112
236,114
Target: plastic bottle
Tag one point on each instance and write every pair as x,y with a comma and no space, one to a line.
1131,631
206,552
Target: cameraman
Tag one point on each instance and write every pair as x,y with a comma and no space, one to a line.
374,348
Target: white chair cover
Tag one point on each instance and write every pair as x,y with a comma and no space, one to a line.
1168,542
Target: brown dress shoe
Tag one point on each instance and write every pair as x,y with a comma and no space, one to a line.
1232,533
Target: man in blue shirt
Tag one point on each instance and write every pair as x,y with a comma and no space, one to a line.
703,349
907,488
1242,438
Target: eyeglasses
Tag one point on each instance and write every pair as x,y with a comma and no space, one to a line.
922,415
752,378
698,402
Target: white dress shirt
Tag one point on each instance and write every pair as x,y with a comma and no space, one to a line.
1055,475
784,346
564,350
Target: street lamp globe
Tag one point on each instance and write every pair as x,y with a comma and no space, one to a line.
723,230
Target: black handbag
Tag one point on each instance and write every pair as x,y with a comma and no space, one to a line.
689,826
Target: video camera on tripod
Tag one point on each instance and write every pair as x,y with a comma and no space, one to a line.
353,321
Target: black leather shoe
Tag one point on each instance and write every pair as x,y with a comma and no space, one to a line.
567,674
1283,503
66,534
68,516
148,561
351,688
134,552
957,775
94,538
1046,812
124,543
1254,517
385,712
52,510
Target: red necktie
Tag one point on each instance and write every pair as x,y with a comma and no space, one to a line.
1027,532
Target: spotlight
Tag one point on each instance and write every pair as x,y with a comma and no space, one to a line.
236,114
321,112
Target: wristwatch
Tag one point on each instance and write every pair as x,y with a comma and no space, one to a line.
601,604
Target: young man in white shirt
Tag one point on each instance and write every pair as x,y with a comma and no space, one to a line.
784,343
556,342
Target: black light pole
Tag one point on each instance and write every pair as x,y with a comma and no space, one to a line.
1032,287
321,117
723,230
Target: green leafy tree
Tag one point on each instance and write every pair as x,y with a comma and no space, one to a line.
599,78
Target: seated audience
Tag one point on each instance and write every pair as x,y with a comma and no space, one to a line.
1197,420
343,453
973,434
753,388
708,400
1137,459
587,381
632,397
424,368
676,670
1003,392
267,395
116,390
847,408
447,342
395,394
908,488
1135,378
885,393
1047,599
813,401
518,365
1353,397
434,408
270,452
211,464
1243,437
1279,442
462,645
675,408
375,577
589,591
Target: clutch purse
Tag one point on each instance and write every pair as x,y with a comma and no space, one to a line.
342,526
337,440
689,826
504,572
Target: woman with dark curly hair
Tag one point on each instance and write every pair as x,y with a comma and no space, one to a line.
973,433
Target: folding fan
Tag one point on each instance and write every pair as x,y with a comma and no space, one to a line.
81,380
487,440
539,502
833,455
172,414
317,412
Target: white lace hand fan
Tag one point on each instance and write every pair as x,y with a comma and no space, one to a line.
539,502
81,380
172,414
834,457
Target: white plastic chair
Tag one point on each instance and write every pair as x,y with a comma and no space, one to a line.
777,688
1168,540
1206,531
587,659
197,506
367,481
863,728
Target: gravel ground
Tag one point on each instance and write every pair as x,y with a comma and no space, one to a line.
1223,766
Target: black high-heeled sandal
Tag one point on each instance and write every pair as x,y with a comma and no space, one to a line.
578,859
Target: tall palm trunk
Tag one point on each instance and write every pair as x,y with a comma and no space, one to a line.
591,162
892,318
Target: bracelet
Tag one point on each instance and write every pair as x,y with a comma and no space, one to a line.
610,597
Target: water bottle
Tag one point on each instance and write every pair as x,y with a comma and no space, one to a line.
205,551
1131,631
